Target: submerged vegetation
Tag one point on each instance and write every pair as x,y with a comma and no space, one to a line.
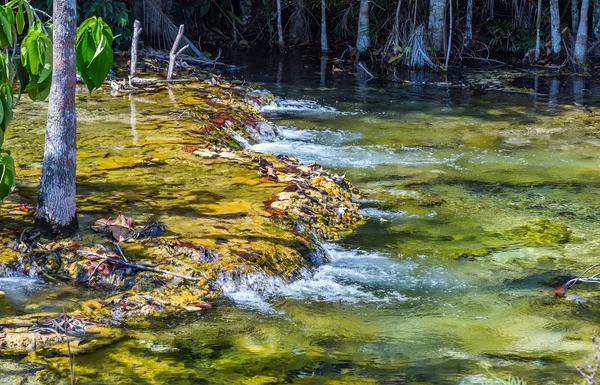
201,229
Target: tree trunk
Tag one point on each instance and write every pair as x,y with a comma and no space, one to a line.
246,11
280,41
56,202
469,24
363,39
324,45
538,26
299,28
574,15
137,29
596,19
555,29
437,23
450,32
582,34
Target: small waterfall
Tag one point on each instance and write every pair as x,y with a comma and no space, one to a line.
350,276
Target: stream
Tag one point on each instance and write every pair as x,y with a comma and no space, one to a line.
477,204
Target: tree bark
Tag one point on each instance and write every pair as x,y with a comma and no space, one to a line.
582,34
137,29
555,29
469,24
437,22
596,19
363,39
574,15
280,41
299,28
324,45
450,32
56,214
538,26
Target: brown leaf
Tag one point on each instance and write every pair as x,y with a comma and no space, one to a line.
560,292
120,228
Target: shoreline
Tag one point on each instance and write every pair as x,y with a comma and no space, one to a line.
147,275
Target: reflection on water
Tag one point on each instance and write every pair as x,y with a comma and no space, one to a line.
478,203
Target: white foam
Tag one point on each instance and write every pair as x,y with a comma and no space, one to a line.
297,107
352,276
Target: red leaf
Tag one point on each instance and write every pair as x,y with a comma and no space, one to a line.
201,305
560,292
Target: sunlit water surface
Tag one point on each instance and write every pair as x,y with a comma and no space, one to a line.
478,204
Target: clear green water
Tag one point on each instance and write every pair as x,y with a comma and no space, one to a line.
479,204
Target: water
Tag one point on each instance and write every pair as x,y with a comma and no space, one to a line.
478,204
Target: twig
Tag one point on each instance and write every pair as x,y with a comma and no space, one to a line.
174,52
140,267
367,71
121,251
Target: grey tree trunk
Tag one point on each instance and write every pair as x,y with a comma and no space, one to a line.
437,22
280,41
582,34
299,28
137,29
363,38
469,24
555,28
324,45
538,38
450,32
596,19
56,202
246,11
574,15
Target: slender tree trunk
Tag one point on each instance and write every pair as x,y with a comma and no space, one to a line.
538,26
574,15
449,38
437,23
280,41
582,34
137,29
396,30
324,45
469,24
299,28
56,214
555,29
363,38
596,19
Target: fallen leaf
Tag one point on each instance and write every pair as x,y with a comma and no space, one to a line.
560,292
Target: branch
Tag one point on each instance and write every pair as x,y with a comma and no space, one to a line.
138,266
174,52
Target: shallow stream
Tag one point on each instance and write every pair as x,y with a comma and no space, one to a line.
478,204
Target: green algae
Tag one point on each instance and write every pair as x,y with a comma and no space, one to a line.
507,232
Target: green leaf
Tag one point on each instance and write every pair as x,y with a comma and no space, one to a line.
20,19
2,115
30,16
94,52
7,175
6,97
6,22
46,70
1,138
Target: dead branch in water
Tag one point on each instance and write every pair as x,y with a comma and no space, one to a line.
174,52
139,266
